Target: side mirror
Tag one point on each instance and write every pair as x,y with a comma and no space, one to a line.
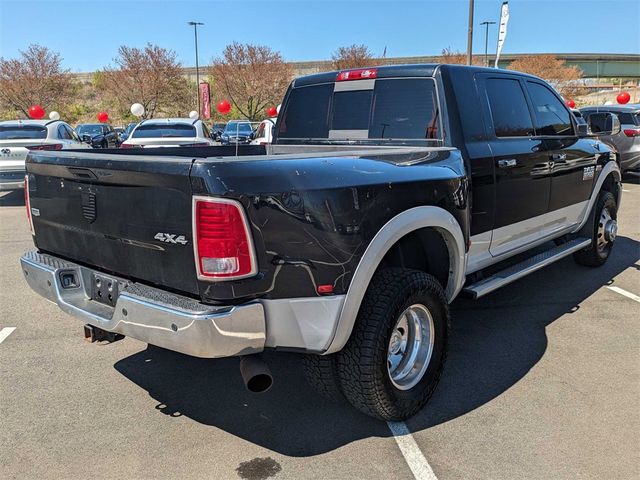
603,123
86,138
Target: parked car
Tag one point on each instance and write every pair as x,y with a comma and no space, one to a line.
386,193
216,131
627,141
127,131
263,134
18,137
169,132
98,135
237,132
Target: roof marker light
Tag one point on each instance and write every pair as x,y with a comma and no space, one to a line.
359,74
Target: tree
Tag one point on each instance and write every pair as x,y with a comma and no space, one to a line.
565,79
456,57
353,56
251,77
36,77
151,76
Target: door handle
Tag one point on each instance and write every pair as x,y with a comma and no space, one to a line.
507,163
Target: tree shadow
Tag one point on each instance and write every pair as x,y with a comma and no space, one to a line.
14,198
495,342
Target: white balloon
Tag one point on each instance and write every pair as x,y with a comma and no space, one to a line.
193,114
608,102
137,109
54,116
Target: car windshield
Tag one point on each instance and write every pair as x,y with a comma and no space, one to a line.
240,127
92,130
129,128
19,132
164,131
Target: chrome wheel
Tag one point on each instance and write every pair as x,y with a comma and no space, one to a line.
607,230
410,347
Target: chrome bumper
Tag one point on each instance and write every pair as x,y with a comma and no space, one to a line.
148,314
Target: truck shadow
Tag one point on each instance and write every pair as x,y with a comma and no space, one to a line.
495,342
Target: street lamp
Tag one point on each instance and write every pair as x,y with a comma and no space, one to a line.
195,32
486,41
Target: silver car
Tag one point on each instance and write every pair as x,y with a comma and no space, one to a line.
18,137
627,141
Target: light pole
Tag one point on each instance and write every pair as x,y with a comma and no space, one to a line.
470,33
486,41
195,32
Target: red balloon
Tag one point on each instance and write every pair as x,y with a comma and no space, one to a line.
571,104
272,111
623,97
36,111
103,117
224,107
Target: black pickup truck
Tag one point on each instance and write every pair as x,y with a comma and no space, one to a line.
386,193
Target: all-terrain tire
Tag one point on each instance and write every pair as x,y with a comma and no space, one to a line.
592,256
364,375
321,372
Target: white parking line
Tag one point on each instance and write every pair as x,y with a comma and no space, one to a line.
625,293
411,452
5,332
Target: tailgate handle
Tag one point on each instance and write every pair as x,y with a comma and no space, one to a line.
83,173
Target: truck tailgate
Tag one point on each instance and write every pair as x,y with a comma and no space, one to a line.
124,214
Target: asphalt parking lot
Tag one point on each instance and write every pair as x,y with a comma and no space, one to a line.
542,382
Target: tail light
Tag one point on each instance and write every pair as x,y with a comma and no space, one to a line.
359,74
27,204
222,241
632,132
46,146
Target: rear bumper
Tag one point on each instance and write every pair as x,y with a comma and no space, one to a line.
148,314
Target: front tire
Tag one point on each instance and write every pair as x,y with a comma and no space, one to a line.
394,358
602,228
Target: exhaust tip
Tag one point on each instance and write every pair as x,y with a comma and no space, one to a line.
255,373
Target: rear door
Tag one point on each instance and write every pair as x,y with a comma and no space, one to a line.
523,175
124,214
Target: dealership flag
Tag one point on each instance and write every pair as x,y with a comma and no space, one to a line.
504,19
205,100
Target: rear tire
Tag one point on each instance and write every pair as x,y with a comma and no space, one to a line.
321,373
385,370
598,228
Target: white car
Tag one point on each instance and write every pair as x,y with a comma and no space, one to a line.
169,132
18,137
264,133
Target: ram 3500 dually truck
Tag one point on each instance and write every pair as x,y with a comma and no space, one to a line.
386,193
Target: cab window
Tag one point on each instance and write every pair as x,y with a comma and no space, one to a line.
551,116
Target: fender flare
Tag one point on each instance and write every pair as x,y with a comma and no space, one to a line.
396,228
608,169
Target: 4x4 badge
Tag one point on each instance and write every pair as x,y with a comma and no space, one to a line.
171,238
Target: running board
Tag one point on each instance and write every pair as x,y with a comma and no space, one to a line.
530,265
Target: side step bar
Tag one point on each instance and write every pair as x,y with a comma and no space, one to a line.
530,265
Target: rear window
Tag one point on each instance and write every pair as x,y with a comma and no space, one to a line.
19,132
394,109
164,131
629,118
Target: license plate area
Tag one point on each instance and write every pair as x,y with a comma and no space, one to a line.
104,289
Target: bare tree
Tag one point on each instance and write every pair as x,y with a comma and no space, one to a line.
251,77
36,77
353,56
151,76
565,79
456,57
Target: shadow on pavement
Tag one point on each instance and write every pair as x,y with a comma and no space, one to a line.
14,198
495,342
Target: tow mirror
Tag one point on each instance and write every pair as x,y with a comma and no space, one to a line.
603,123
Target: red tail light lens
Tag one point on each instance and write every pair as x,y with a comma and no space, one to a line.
128,145
632,132
222,241
46,146
27,204
360,74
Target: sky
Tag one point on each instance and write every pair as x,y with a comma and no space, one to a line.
87,33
